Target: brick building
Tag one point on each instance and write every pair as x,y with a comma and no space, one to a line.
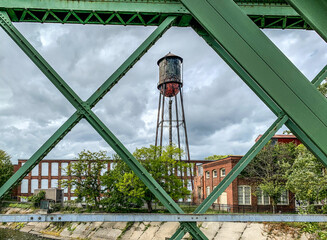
240,195
282,139
48,174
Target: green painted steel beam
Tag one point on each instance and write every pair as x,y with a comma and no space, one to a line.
314,12
239,70
237,169
283,119
147,13
242,73
169,7
84,110
75,118
266,64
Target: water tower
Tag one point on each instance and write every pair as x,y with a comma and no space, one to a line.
171,117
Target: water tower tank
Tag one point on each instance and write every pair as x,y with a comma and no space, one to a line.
170,74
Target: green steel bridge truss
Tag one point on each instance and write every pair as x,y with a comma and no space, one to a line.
231,28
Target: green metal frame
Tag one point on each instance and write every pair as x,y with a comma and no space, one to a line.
238,41
314,14
84,110
265,14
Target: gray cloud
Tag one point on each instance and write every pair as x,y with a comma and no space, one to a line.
223,115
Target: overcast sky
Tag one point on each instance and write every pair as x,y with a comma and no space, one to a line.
223,115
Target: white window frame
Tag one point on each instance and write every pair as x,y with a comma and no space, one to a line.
54,183
45,169
262,198
221,172
287,198
208,190
243,195
24,186
64,168
207,174
220,199
54,169
44,183
214,173
35,171
34,185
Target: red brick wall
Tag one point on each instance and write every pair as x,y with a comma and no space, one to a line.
232,190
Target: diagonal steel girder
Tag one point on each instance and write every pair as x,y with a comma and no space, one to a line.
250,80
237,169
246,159
301,130
314,12
242,73
265,64
84,110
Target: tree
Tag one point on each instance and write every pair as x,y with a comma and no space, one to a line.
268,168
113,199
216,157
162,168
6,167
307,177
86,176
323,89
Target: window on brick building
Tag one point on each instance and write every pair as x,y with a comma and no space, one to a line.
200,170
262,198
223,198
207,174
104,169
208,191
222,172
54,183
283,200
34,185
244,195
54,169
112,165
24,186
44,184
214,173
64,169
45,169
35,171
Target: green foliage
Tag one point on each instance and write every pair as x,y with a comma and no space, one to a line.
6,167
307,178
115,200
37,198
86,172
323,88
268,169
20,205
162,169
216,157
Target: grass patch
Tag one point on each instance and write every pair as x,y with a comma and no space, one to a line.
20,205
317,231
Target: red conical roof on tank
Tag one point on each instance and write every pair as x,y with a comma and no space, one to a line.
170,55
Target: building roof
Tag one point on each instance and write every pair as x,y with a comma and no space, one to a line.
279,136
